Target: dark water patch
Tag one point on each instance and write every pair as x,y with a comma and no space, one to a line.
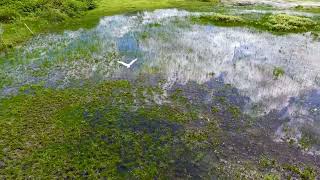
159,141
244,138
214,91
303,121
128,46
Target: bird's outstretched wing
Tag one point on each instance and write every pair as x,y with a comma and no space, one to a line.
128,65
123,63
133,61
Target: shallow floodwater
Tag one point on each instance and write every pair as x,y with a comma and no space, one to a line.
166,43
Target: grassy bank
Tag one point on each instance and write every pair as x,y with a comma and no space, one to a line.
43,16
21,19
274,23
48,17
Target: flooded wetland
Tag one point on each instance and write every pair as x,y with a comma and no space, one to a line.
230,93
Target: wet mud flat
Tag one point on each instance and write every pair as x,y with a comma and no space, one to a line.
202,101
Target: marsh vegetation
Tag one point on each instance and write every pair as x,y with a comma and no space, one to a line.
217,91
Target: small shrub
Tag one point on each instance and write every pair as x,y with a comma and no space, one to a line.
10,10
73,7
31,6
54,15
8,15
91,4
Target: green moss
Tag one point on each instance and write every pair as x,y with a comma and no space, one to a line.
97,131
212,1
277,72
305,142
215,109
60,15
226,18
155,25
278,24
265,162
306,173
8,15
308,139
221,99
197,139
220,19
307,9
272,177
235,111
288,23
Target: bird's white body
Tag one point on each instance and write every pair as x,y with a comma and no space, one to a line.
126,64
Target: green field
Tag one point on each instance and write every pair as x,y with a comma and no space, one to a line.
52,18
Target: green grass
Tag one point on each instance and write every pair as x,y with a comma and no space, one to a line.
221,19
278,72
47,17
306,173
288,23
15,32
114,130
105,130
17,15
308,140
308,9
278,24
94,132
300,171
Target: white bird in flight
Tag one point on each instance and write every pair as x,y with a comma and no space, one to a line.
126,64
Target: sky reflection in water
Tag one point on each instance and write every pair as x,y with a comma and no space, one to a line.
181,52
